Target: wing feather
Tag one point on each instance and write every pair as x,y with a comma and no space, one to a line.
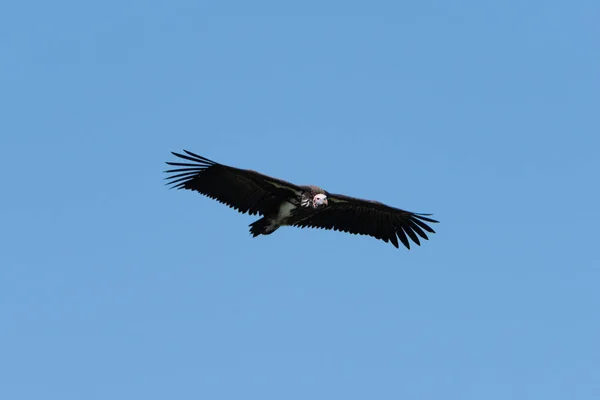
245,190
372,218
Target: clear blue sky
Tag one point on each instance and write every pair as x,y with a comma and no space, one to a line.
486,114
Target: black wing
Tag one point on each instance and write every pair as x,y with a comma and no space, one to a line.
245,190
372,218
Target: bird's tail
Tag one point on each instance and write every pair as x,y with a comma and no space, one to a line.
261,227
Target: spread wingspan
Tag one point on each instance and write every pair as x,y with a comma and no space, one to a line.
251,192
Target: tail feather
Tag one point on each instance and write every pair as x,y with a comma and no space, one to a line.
261,227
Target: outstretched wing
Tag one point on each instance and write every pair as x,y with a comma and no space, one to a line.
245,190
372,218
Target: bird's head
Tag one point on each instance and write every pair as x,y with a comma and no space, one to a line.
319,200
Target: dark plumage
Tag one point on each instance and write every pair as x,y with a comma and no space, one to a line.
281,203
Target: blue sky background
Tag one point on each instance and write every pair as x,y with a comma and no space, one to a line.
114,287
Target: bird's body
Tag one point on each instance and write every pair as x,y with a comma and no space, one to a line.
290,211
283,203
285,213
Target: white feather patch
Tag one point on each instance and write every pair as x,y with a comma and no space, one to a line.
285,211
280,186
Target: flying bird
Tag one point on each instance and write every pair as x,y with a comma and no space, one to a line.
281,203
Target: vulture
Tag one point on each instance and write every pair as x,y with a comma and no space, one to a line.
281,203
